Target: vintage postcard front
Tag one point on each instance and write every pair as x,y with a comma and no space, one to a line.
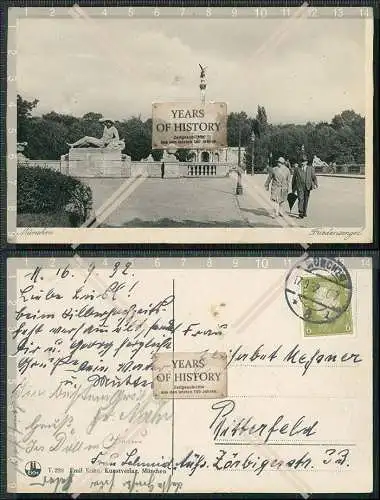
150,125
191,375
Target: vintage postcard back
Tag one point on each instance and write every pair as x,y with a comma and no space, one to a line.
190,375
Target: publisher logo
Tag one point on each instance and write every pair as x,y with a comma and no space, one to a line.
33,469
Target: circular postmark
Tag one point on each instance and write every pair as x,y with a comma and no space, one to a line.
318,289
32,469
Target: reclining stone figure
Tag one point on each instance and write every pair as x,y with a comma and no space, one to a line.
109,140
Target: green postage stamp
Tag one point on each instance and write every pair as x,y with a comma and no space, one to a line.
326,307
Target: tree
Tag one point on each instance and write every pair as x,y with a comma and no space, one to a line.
79,128
238,125
340,141
47,139
92,116
350,127
157,154
262,118
138,138
24,113
67,120
348,117
261,144
24,107
183,154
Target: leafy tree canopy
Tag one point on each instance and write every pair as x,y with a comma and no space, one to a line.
340,141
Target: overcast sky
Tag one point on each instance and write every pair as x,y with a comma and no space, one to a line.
305,70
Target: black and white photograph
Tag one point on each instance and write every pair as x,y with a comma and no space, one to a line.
151,125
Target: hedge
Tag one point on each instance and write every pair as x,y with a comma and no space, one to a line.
42,190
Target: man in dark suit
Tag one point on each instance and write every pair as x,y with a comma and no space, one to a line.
304,180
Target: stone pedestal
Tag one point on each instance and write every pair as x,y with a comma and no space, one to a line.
95,162
64,165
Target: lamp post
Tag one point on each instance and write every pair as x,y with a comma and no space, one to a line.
303,154
239,186
239,150
253,152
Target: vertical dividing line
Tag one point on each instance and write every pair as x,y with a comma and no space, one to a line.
173,330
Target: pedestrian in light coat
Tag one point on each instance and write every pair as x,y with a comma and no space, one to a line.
279,181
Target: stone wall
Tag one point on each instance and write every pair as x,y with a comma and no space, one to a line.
91,162
52,164
153,169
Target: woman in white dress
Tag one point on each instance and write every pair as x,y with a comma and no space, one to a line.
109,139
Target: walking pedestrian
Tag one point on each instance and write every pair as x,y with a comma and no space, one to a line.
279,180
304,181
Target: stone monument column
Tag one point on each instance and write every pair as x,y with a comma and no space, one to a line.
203,84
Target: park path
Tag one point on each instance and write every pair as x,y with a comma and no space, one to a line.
172,202
208,202
338,202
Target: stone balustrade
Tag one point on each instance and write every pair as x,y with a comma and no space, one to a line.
97,162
